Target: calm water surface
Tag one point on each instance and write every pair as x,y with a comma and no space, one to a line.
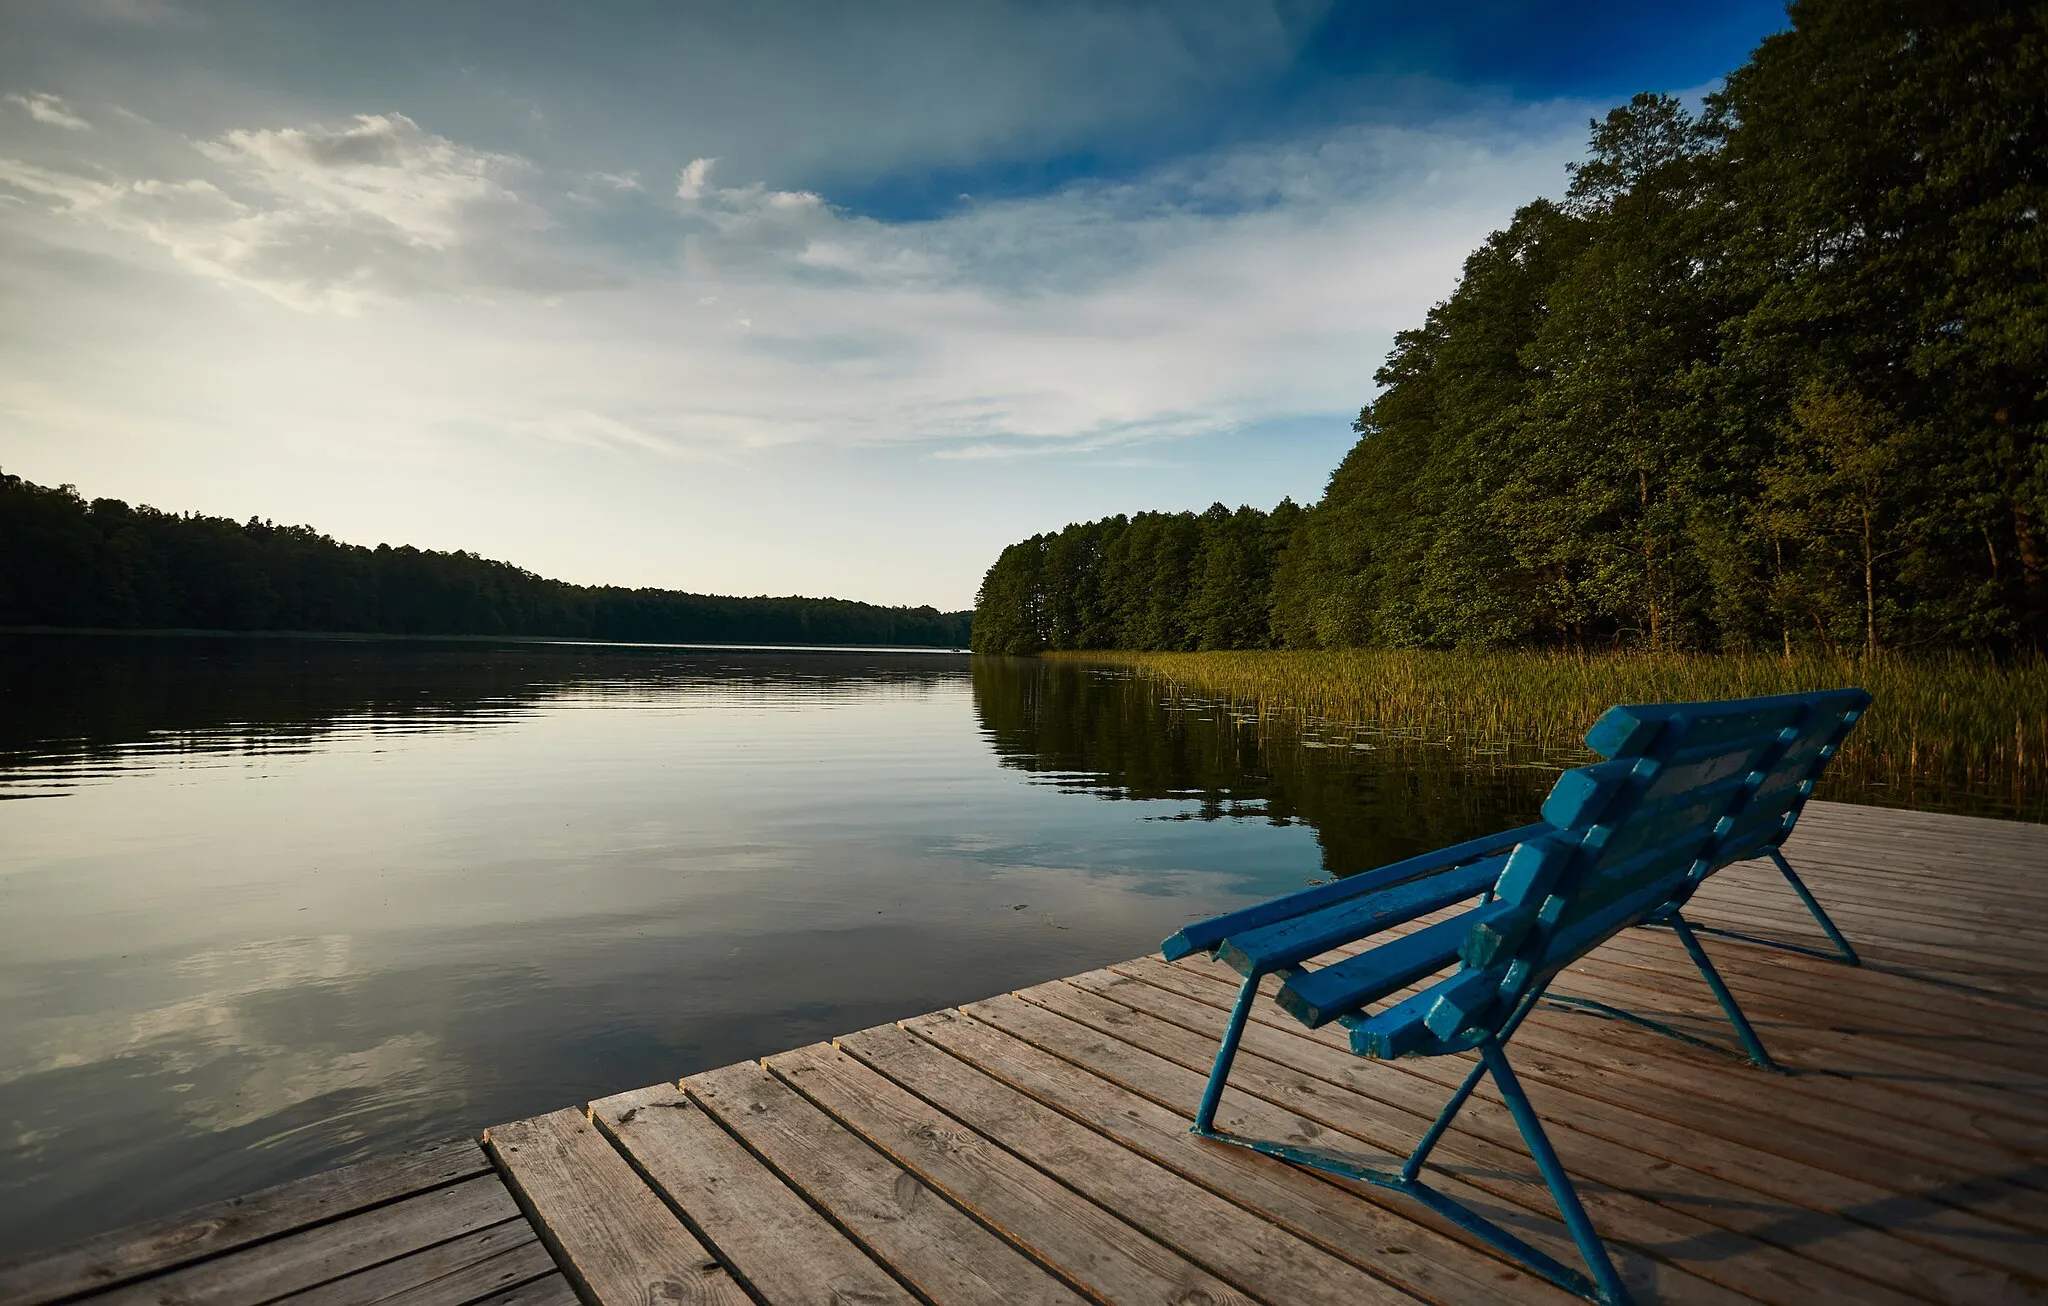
271,905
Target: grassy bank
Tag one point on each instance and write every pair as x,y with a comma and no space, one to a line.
1951,733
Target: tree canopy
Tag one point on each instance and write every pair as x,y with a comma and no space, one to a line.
1771,375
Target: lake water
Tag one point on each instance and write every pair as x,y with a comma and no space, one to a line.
271,905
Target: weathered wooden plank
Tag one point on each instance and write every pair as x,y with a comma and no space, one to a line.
1967,944
2003,876
1829,1170
326,1252
783,1250
434,1265
1955,1076
1950,887
609,1231
1858,915
1897,822
2004,1032
1960,890
1829,1105
527,1263
1957,1028
125,1254
552,1290
1878,891
1985,944
1368,1232
947,1256
502,1273
1250,1251
1930,1247
1933,835
1090,1246
1818,985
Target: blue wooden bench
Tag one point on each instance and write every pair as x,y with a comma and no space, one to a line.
1687,789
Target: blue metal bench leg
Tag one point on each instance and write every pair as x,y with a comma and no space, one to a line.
1743,1029
1226,1052
1820,916
1603,1286
1494,1057
1414,1163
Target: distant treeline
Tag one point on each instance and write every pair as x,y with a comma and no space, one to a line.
66,562
1770,376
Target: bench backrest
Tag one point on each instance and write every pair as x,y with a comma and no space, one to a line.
1687,789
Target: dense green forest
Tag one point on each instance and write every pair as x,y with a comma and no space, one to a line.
66,562
1769,376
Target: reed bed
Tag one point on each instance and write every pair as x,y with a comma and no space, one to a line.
1949,733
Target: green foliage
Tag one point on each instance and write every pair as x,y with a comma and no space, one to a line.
64,562
1772,376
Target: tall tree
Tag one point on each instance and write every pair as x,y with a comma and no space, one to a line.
1841,490
1890,158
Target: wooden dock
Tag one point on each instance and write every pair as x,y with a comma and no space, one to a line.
1033,1148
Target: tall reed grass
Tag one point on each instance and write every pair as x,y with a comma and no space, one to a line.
1952,733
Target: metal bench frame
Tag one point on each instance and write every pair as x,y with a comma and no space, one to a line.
1775,782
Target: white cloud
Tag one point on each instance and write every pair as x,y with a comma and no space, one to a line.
330,218
49,110
691,184
383,167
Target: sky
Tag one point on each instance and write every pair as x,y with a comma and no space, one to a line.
757,297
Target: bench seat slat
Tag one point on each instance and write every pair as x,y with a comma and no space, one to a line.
1262,951
1572,940
1700,767
1316,997
1208,935
1396,1032
1760,825
1631,730
1691,817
